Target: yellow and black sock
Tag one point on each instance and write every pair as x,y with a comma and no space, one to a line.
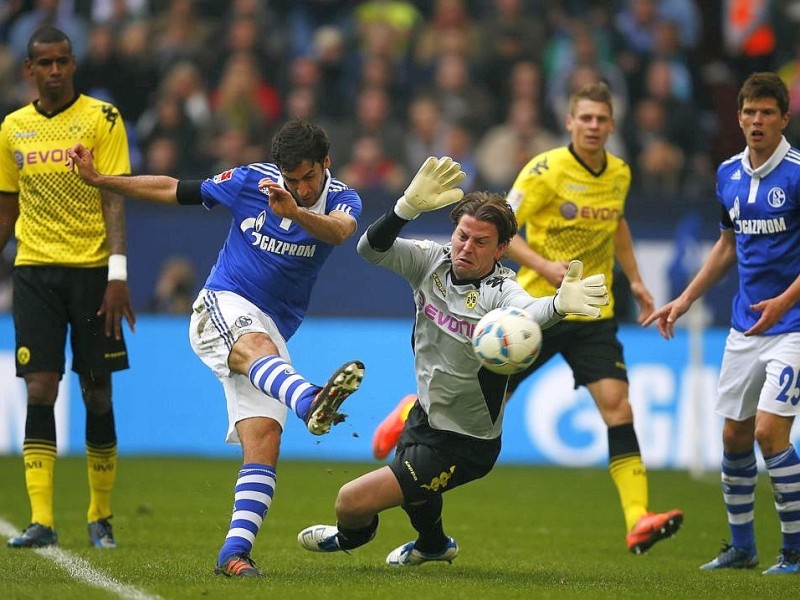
101,463
628,472
39,453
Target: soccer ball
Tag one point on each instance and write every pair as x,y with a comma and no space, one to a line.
507,340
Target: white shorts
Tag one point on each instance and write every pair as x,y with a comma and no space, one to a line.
218,320
759,373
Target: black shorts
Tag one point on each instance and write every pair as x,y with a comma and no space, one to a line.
429,461
591,349
46,300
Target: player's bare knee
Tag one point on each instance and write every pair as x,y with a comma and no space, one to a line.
738,436
352,504
42,388
616,412
248,348
769,441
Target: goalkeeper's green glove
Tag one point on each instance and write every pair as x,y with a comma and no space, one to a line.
578,296
434,186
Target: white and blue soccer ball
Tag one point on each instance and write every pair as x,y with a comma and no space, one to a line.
507,340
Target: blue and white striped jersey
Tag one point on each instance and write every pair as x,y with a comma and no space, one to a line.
269,260
763,206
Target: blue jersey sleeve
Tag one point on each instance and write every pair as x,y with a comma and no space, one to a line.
343,199
224,188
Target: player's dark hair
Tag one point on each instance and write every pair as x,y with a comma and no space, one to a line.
489,207
764,85
298,141
47,35
596,92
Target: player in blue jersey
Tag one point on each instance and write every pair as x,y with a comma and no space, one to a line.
287,217
759,381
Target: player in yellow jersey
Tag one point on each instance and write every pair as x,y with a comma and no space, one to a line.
571,203
70,271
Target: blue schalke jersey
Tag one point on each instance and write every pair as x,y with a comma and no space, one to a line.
764,209
269,260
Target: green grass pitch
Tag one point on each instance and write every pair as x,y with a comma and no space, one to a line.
524,532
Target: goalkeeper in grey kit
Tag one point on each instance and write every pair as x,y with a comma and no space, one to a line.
452,435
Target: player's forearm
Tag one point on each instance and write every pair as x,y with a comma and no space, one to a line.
383,232
330,229
792,293
114,215
719,261
156,188
624,253
9,213
521,253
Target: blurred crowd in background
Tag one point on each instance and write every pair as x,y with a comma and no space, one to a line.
202,84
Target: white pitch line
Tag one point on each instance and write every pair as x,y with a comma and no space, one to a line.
80,569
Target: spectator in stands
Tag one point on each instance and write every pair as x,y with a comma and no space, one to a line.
581,50
179,33
683,125
372,117
305,17
505,148
114,14
49,12
336,77
460,97
389,26
748,35
138,73
244,99
511,35
167,119
426,134
301,103
658,162
371,171
101,69
378,72
163,155
227,147
449,28
460,146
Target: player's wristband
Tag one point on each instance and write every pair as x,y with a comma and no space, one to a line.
118,267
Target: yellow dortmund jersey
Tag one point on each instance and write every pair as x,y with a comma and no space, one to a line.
60,217
570,213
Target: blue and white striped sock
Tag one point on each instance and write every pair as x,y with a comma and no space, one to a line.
739,476
252,499
278,379
784,472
